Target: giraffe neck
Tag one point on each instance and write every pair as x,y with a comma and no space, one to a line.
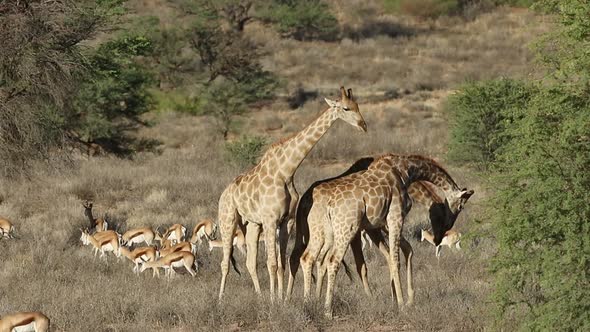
422,193
418,168
290,154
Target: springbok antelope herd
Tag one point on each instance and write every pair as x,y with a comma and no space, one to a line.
366,204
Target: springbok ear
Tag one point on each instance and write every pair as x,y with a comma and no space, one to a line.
342,93
465,194
331,103
350,94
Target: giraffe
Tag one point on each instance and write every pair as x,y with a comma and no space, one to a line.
420,192
371,200
265,196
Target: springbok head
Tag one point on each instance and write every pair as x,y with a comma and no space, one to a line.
443,215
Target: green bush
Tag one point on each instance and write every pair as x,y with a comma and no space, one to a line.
479,114
245,151
42,68
111,100
302,20
542,214
540,207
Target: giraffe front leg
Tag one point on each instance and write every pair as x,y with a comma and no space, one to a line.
252,234
408,254
282,259
270,240
302,231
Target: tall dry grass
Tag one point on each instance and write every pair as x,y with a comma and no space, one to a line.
47,268
411,66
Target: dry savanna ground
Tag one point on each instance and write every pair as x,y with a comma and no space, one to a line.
402,71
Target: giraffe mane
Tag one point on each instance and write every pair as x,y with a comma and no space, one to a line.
415,157
281,141
430,188
432,161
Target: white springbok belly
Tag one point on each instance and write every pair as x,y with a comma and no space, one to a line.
138,239
31,327
108,247
179,263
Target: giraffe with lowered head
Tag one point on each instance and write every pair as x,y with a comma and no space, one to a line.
420,192
262,198
371,200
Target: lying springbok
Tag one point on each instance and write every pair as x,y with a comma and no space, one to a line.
181,246
170,261
6,229
24,322
239,241
174,233
102,241
204,229
138,235
139,255
98,224
452,237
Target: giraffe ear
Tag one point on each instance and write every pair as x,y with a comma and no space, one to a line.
465,194
331,103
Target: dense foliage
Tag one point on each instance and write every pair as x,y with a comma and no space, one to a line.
245,151
540,163
480,114
53,90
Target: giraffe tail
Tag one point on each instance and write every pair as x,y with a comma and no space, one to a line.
233,263
347,270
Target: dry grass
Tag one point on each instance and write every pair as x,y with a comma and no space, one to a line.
48,269
414,64
428,56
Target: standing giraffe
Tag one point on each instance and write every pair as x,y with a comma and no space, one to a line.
420,192
441,218
265,196
371,200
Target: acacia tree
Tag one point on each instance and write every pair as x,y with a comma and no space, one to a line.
45,75
542,205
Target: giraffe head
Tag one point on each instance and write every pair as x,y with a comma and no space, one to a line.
443,215
347,109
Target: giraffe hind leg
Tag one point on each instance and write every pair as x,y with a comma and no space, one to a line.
252,234
228,219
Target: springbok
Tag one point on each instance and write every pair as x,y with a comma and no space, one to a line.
174,233
103,241
139,255
24,322
452,237
204,229
181,246
138,235
98,224
239,241
6,229
169,262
